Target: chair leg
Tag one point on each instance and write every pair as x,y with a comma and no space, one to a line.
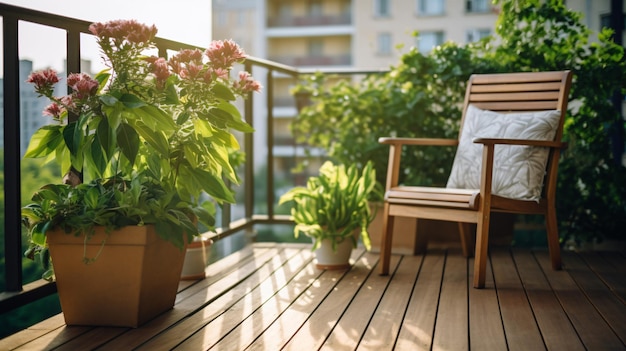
482,245
553,238
465,232
385,245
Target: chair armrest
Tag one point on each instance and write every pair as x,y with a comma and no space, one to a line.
526,142
418,141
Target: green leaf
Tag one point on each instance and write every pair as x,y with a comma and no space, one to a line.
102,78
132,101
105,137
212,185
108,100
171,95
128,141
155,138
223,92
155,118
44,141
97,159
73,137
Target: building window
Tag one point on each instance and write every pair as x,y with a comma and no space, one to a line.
430,7
381,8
242,17
222,18
605,21
473,35
316,48
478,5
384,44
426,41
315,8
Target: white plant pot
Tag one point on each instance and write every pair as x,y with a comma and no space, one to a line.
196,259
327,258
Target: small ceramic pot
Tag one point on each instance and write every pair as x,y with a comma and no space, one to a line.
196,259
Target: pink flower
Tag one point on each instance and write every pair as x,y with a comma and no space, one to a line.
246,83
53,110
44,80
160,71
68,102
176,66
120,30
194,70
187,56
83,85
223,54
221,73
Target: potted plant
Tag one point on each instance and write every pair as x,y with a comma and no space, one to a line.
333,210
151,139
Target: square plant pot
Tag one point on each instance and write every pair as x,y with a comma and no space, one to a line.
133,278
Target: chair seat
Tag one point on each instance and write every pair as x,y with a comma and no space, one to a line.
428,196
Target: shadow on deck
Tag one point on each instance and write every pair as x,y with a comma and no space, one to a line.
271,297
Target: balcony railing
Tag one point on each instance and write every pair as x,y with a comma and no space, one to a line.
336,60
307,21
18,293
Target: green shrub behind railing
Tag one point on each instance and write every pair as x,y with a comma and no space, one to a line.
422,95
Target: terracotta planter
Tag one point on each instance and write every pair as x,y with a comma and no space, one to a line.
327,258
196,259
133,279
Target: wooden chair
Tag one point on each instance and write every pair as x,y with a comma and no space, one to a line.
508,99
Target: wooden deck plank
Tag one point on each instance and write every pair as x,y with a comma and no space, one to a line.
418,327
583,317
354,322
385,325
556,329
610,307
54,338
451,328
240,287
206,290
237,327
589,324
485,322
610,272
292,319
96,339
521,330
270,297
27,335
321,322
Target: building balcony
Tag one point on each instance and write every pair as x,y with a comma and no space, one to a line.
309,21
269,296
314,61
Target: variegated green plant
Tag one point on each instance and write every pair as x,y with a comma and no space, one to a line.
334,204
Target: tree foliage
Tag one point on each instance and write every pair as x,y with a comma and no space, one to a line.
422,95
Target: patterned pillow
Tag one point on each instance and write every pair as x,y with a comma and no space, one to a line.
519,170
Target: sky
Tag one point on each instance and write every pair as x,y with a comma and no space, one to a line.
187,21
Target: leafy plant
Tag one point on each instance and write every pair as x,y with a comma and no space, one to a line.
421,97
545,35
334,204
152,137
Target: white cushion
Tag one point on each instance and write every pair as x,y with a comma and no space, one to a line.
518,170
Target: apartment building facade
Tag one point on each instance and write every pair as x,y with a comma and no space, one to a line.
364,34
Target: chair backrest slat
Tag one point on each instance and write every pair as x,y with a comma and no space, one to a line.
519,92
515,106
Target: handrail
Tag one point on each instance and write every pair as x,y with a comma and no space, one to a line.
17,293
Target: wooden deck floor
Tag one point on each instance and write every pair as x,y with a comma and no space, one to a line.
270,297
